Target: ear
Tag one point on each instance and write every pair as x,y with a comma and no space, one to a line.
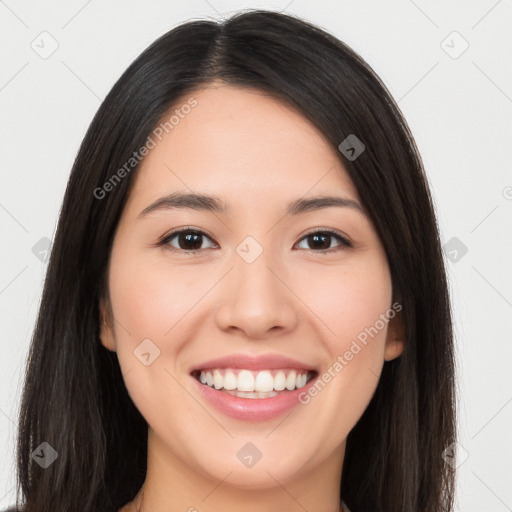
395,339
106,327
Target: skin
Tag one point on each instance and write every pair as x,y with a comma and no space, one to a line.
257,154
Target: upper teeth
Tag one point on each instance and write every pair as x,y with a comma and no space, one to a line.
246,380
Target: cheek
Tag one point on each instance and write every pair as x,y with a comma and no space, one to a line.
358,299
148,301
350,299
149,298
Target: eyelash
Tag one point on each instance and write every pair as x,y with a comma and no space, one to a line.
344,242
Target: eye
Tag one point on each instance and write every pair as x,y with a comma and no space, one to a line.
188,240
321,239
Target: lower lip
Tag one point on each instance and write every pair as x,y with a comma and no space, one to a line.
252,409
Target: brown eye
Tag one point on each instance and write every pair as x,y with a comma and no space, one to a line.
187,240
321,240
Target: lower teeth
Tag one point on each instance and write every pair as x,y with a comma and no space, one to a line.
251,394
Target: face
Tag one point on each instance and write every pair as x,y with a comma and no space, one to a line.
249,296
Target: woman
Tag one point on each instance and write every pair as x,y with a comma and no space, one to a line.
267,369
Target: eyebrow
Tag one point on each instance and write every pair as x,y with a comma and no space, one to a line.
202,202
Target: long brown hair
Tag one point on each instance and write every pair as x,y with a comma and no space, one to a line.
74,396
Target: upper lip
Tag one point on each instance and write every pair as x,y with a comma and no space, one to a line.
251,362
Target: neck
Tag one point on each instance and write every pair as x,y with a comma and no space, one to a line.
172,485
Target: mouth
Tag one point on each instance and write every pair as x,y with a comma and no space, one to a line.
252,388
254,384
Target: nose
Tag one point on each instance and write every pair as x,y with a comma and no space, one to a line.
257,300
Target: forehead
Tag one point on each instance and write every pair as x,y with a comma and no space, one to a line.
243,145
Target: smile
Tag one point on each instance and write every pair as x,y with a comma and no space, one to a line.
252,388
254,384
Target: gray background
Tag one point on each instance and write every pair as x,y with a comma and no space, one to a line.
457,101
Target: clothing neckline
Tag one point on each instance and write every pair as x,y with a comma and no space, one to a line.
344,507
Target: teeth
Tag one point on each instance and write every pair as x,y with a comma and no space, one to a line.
230,381
279,381
264,381
218,380
260,394
245,381
254,384
291,380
